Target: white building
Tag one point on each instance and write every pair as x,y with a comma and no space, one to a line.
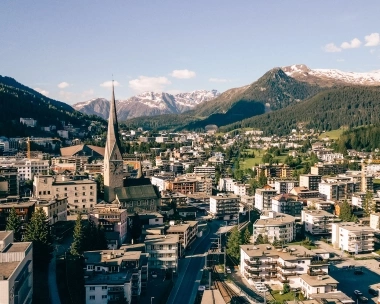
207,170
315,285
276,226
224,205
187,233
374,221
277,266
80,194
163,251
318,221
16,270
55,209
29,122
240,189
310,181
226,184
263,198
27,168
352,237
284,186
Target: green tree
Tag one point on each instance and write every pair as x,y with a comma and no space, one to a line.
262,179
259,239
265,239
14,223
101,241
345,213
136,227
233,243
286,288
37,231
368,204
77,246
246,236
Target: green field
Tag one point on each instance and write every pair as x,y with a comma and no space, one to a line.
250,162
334,134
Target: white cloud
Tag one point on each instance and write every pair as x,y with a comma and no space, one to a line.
42,91
218,80
144,83
372,39
183,74
71,97
353,44
63,85
108,84
331,48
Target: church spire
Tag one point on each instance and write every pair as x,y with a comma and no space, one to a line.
113,162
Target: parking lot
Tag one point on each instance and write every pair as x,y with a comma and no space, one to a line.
348,281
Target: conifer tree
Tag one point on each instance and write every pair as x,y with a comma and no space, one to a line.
14,223
37,231
78,243
345,213
246,236
101,240
259,239
233,243
368,204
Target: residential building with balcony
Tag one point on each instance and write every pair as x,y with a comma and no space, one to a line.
352,237
16,270
81,194
304,193
10,175
320,284
226,184
187,232
337,189
112,275
318,221
288,204
205,170
163,251
24,209
310,181
112,219
263,198
374,221
224,205
327,169
279,265
319,204
55,209
283,186
277,226
27,168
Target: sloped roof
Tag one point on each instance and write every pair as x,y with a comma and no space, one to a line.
136,193
72,150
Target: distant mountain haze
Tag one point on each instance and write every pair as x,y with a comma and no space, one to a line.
147,104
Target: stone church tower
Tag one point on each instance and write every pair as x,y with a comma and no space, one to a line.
113,162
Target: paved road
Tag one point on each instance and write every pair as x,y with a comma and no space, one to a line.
186,287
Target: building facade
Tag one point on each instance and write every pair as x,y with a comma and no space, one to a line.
224,205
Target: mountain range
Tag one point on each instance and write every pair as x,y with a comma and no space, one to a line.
147,104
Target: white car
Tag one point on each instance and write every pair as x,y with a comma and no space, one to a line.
201,288
228,270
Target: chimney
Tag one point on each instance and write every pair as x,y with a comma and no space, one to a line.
319,278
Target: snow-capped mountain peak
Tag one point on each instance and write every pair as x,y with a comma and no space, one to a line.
302,72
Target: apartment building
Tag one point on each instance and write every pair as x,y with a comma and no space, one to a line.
374,221
276,226
288,204
186,231
332,189
226,184
263,198
304,193
316,285
55,209
279,266
190,183
163,251
27,168
81,194
16,270
274,170
10,175
310,181
318,221
352,237
319,204
240,189
112,275
205,170
112,219
284,186
327,169
364,180
24,209
224,205
161,181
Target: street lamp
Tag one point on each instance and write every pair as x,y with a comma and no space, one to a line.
151,300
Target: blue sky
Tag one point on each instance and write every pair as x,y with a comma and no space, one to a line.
70,49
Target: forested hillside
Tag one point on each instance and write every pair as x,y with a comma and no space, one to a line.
362,138
328,110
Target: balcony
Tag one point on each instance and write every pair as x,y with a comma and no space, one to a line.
252,263
316,272
282,280
270,262
286,266
252,270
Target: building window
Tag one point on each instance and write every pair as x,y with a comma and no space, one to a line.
104,296
104,287
92,288
92,297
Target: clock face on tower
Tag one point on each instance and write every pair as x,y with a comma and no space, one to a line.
116,167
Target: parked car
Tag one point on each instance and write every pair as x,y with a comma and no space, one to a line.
373,291
228,270
357,293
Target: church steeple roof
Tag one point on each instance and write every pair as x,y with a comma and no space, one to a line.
113,129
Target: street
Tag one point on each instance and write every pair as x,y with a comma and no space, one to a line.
190,268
